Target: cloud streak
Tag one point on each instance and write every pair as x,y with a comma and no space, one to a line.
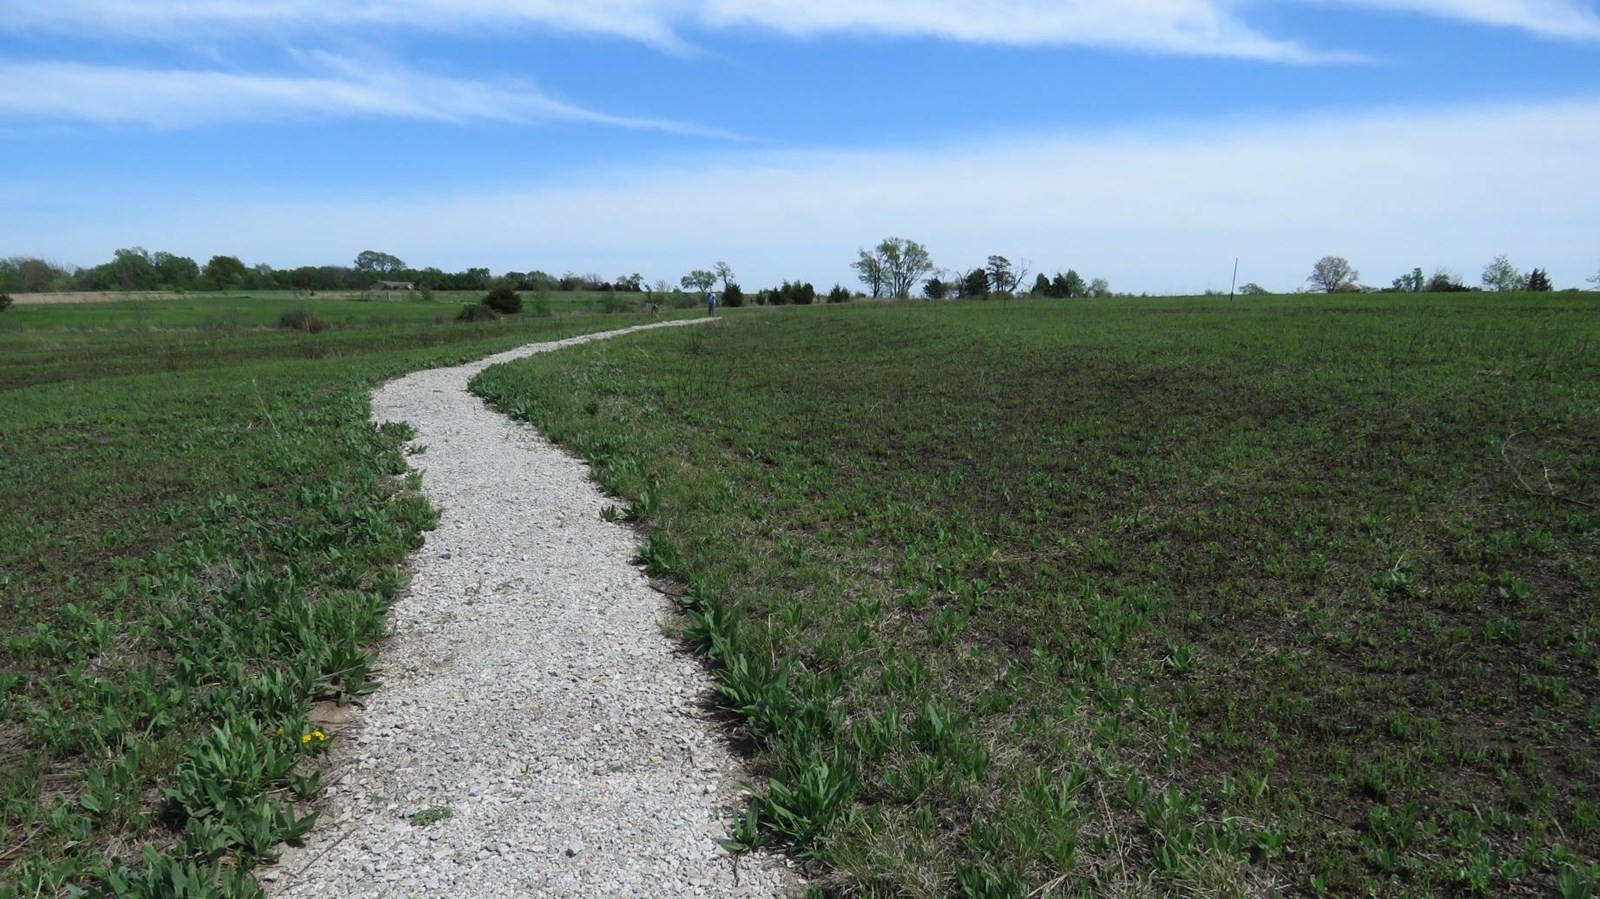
1573,20
1187,27
1190,27
339,87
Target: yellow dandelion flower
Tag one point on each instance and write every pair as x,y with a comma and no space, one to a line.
319,735
306,738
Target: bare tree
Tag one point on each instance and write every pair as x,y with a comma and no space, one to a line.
725,272
1332,274
1019,273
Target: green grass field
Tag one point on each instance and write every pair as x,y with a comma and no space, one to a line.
201,533
71,341
1132,597
241,310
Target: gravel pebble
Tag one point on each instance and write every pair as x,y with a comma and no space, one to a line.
528,689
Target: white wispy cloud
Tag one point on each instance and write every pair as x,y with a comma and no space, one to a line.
1577,20
1160,209
1196,27
1193,27
333,87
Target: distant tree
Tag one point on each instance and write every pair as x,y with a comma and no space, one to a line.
1251,288
893,267
838,294
869,268
1333,274
633,283
732,295
935,289
129,269
262,276
1445,281
699,280
725,273
175,271
1041,285
225,271
1073,282
975,283
1412,282
905,262
372,262
5,301
1594,279
799,293
1539,281
1501,275
1001,276
1099,287
29,274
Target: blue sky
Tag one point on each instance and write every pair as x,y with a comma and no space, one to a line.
1149,142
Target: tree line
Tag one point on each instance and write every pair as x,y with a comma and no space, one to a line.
1335,274
136,269
895,266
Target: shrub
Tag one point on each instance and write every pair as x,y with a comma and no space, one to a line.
503,299
541,303
733,296
611,303
5,301
302,319
839,294
477,312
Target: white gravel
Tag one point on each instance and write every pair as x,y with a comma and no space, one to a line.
529,690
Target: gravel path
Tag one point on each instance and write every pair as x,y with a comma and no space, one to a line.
529,690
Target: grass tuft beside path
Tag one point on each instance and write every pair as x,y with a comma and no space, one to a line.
1117,597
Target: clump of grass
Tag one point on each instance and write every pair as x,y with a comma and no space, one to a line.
477,312
1167,596
300,318
433,815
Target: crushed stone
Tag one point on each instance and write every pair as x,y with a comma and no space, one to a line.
528,690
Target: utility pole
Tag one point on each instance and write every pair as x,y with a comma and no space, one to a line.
1234,283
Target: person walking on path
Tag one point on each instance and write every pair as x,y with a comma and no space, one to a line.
711,304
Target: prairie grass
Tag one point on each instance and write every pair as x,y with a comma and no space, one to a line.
1116,597
201,534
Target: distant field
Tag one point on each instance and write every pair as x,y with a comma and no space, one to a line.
200,534
261,308
49,342
1133,597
